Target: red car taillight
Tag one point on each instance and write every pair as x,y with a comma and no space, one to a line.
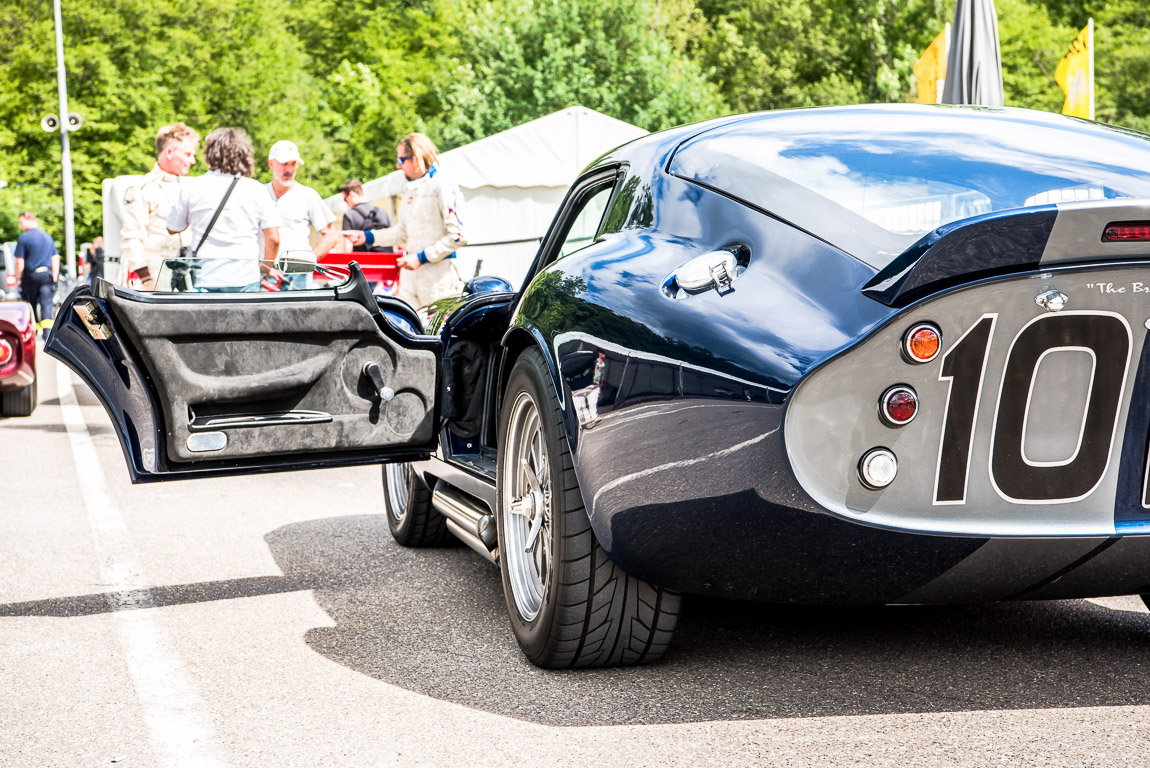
899,405
1127,232
10,280
5,352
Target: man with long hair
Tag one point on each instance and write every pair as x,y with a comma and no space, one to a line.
229,258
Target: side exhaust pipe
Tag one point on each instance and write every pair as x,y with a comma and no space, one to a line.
470,521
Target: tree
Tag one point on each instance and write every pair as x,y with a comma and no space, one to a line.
131,69
522,59
773,54
1122,63
1032,45
347,81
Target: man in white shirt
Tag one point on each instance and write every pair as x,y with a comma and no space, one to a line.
227,226
300,209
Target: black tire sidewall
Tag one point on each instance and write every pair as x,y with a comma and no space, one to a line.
418,502
530,375
19,402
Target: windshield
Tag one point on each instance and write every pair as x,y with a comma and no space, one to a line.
899,172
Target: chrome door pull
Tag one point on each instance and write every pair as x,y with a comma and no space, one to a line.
716,269
721,275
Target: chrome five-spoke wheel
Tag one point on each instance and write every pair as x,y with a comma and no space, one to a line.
410,516
396,481
569,604
526,506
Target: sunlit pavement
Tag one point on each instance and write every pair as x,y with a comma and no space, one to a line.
272,621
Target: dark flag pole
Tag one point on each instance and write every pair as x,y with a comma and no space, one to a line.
974,66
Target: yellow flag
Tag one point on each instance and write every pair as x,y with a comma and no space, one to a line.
1075,75
930,69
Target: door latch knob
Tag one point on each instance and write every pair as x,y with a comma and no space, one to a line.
375,376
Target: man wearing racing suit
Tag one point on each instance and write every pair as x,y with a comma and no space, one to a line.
144,239
429,226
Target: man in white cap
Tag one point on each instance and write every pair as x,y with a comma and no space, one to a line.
300,209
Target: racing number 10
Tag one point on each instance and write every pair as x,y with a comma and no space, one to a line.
1105,337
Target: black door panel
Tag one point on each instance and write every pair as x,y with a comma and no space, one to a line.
251,383
234,362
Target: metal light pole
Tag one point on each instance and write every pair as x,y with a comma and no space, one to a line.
65,155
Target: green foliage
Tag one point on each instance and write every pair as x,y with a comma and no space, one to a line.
521,59
771,54
1122,37
1033,44
346,81
133,66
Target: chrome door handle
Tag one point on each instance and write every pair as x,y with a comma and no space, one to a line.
716,269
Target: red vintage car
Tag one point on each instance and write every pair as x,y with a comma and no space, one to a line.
17,359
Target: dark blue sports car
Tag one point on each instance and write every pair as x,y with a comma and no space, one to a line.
887,354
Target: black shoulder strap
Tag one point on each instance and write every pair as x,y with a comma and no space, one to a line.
216,215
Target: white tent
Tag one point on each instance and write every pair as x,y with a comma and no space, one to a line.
512,184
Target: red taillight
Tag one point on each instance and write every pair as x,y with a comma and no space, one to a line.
922,342
10,280
1127,232
898,405
5,352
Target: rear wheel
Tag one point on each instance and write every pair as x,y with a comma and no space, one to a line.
570,605
410,516
19,402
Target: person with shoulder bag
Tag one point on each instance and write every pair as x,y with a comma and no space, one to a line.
227,210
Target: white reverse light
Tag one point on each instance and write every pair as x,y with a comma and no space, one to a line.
877,468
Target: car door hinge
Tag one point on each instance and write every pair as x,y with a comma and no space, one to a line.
93,319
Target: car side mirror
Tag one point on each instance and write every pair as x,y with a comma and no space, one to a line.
486,284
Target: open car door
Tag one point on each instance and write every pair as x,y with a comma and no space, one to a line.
214,384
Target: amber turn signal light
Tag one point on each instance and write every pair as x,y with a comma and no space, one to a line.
5,351
922,343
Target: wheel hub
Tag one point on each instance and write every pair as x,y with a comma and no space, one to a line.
532,505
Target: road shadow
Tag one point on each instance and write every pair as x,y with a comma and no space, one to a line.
10,423
433,621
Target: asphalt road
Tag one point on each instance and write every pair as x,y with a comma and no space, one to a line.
272,621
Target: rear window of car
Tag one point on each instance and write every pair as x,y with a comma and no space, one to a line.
873,180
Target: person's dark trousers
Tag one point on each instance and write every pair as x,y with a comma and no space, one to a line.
37,290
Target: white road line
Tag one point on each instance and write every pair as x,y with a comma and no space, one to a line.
1128,603
175,714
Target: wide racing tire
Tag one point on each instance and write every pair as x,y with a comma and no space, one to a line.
19,402
569,604
410,516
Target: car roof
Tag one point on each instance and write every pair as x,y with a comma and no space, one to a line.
873,180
